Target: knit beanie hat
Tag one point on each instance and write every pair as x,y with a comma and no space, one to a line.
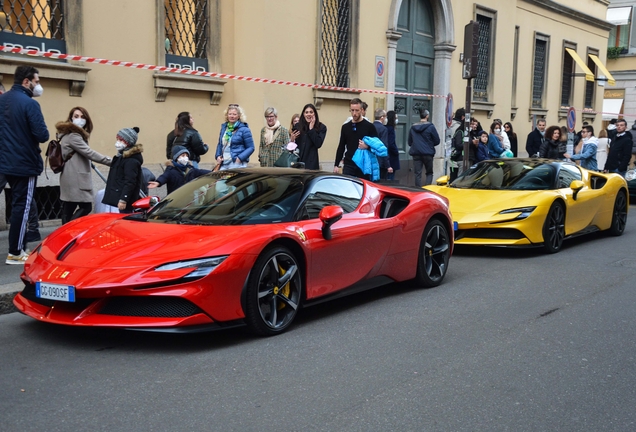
178,151
129,135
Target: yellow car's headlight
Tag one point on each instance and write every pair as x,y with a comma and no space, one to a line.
524,212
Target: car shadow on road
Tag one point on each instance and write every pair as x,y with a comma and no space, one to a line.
84,339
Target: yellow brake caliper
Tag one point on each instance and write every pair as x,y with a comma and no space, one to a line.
285,289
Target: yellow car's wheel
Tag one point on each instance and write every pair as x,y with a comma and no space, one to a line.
619,215
554,228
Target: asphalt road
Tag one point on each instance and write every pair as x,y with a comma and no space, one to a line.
512,341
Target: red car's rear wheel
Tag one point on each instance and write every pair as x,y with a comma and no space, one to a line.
274,291
432,262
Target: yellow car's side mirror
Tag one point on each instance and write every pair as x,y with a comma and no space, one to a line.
576,187
442,181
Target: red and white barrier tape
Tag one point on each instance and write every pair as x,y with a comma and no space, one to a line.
199,73
85,59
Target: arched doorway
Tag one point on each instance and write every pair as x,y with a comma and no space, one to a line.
421,42
414,64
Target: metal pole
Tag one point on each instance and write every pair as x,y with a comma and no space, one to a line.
467,143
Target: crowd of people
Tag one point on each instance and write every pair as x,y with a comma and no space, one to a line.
613,151
365,149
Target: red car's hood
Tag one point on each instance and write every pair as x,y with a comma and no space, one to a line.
102,250
121,243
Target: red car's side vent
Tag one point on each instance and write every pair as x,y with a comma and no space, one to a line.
64,251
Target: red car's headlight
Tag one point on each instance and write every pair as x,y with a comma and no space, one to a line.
200,267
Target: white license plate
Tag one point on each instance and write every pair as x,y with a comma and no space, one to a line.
55,292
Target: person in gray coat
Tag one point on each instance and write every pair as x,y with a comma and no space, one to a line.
76,182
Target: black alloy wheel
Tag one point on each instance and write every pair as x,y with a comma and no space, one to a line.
554,229
274,291
619,214
435,249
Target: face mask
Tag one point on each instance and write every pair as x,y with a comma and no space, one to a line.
384,121
183,160
79,122
120,145
497,131
37,91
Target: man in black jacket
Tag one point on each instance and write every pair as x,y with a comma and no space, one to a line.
620,150
535,139
22,129
383,134
351,135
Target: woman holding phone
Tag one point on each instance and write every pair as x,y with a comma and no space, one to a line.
310,137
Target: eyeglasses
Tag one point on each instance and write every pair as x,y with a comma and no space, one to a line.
270,116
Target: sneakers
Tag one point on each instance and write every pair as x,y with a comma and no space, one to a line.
17,259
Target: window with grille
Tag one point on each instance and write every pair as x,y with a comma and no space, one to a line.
567,77
590,85
482,81
335,42
33,24
187,34
539,71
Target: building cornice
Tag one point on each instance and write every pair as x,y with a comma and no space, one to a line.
560,9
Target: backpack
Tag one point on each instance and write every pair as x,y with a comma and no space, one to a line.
457,155
54,155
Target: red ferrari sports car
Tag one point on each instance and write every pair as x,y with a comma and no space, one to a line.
237,247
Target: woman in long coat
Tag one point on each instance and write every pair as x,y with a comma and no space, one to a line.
76,181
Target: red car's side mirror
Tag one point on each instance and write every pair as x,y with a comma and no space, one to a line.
146,202
329,215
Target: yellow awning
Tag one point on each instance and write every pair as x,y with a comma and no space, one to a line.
589,75
601,66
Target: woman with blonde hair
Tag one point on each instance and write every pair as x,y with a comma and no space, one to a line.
76,181
602,147
235,140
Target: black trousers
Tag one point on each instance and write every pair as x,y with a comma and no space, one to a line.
22,195
70,213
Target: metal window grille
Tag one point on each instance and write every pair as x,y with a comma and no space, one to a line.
480,92
186,27
589,85
47,199
538,80
334,43
566,83
40,18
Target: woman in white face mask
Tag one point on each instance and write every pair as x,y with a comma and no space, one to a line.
76,183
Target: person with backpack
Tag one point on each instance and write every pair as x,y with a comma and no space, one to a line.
454,141
76,181
179,171
22,129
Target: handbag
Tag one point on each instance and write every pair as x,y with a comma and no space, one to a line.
286,159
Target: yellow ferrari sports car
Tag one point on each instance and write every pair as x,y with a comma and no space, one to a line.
533,202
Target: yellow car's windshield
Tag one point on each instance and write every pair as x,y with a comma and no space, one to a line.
508,175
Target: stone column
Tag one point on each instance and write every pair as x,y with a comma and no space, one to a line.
441,86
392,37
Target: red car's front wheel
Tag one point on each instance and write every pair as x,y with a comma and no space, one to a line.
274,291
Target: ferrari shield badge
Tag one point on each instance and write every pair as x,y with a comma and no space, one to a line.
301,234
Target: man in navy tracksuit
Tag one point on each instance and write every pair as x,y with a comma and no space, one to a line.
22,129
